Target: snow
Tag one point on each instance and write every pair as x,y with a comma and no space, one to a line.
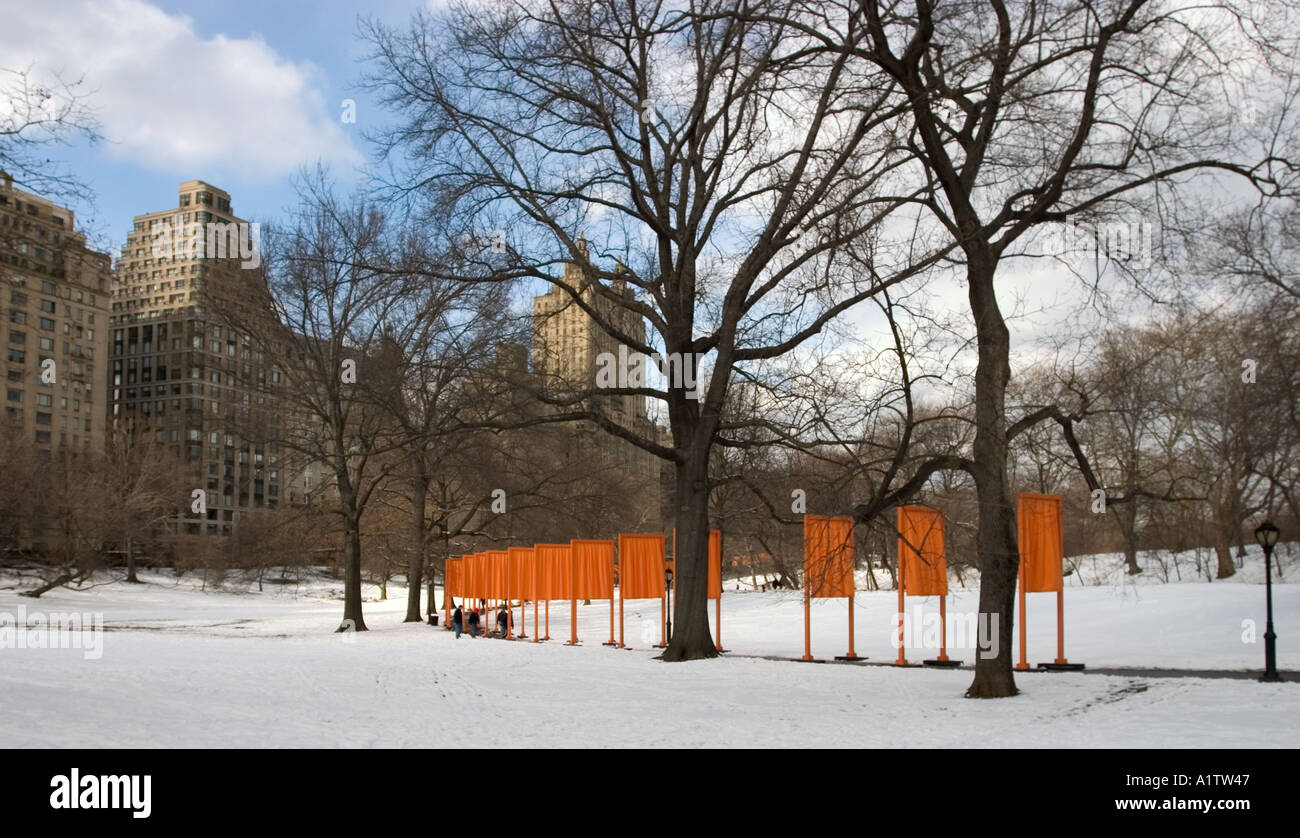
188,668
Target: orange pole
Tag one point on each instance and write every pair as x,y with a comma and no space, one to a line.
1060,626
717,621
852,654
807,623
620,617
612,642
1024,664
902,622
537,572
943,628
573,599
548,620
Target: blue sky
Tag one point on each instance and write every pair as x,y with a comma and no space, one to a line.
267,79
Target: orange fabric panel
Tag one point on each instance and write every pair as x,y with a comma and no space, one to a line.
497,570
521,573
828,555
921,551
641,566
481,576
593,568
1040,538
715,564
452,584
555,570
467,575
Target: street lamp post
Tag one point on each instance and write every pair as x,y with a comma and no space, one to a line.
1266,535
668,587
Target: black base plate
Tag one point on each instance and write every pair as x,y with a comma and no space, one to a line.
948,664
1061,667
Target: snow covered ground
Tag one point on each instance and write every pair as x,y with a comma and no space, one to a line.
185,668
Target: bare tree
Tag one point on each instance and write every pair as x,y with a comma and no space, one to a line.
1027,114
332,276
42,110
727,175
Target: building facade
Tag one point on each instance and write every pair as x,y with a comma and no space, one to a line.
188,291
56,296
568,345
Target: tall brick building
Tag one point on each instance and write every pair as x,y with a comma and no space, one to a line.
567,344
54,299
183,373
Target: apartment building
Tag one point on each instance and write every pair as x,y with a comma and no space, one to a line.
55,302
567,347
188,293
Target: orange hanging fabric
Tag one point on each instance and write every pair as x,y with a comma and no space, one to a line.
828,555
827,570
555,569
453,581
921,551
715,564
1041,551
594,569
498,567
521,573
641,566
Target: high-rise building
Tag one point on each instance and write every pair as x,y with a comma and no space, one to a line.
569,347
55,299
188,291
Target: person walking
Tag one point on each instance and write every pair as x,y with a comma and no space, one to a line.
457,621
473,622
503,620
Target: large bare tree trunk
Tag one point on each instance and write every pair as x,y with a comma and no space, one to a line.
352,619
691,637
415,569
1223,549
130,563
1127,519
999,559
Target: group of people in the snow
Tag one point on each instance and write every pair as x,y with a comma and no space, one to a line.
471,624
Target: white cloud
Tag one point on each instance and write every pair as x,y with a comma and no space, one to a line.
168,98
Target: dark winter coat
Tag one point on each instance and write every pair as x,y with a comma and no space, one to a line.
457,618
